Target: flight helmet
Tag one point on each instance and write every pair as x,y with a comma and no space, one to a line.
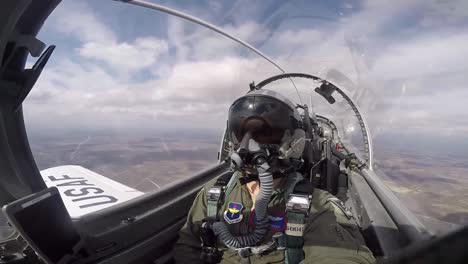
270,119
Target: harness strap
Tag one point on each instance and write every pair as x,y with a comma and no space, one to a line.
294,243
216,194
291,184
211,209
231,184
215,199
298,196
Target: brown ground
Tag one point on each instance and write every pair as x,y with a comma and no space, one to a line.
431,185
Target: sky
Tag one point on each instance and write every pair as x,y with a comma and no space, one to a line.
119,67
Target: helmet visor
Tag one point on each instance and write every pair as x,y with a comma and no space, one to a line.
265,117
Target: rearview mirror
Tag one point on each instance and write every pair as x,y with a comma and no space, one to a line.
326,90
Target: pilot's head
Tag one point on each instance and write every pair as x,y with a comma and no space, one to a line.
264,119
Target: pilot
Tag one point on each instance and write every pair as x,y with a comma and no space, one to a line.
263,211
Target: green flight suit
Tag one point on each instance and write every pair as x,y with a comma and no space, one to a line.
329,236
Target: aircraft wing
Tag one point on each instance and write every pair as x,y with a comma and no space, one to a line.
84,191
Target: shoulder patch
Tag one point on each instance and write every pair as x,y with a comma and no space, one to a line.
233,213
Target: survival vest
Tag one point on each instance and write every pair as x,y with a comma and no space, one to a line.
298,197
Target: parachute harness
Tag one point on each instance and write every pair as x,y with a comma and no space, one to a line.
297,210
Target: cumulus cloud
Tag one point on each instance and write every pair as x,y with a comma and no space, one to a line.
198,43
100,43
190,75
140,54
77,19
446,13
290,39
435,53
194,92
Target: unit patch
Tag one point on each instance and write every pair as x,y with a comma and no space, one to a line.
233,214
295,229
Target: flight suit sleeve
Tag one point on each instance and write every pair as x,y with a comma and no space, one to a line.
331,236
188,247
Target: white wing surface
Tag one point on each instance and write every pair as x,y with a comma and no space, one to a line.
84,191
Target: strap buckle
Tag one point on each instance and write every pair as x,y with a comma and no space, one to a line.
299,203
246,252
214,194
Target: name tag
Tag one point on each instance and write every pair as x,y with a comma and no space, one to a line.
295,229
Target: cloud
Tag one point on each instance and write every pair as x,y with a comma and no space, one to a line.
78,20
446,13
211,80
188,76
100,43
435,53
198,43
197,93
290,39
140,54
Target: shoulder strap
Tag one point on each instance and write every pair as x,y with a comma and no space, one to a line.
216,194
231,184
298,197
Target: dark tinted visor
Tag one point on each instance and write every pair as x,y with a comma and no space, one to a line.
265,117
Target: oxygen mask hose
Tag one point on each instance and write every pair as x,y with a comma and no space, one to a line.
261,204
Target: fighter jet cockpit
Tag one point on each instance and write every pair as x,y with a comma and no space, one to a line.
144,131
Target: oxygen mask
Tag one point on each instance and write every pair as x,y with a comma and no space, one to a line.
250,156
